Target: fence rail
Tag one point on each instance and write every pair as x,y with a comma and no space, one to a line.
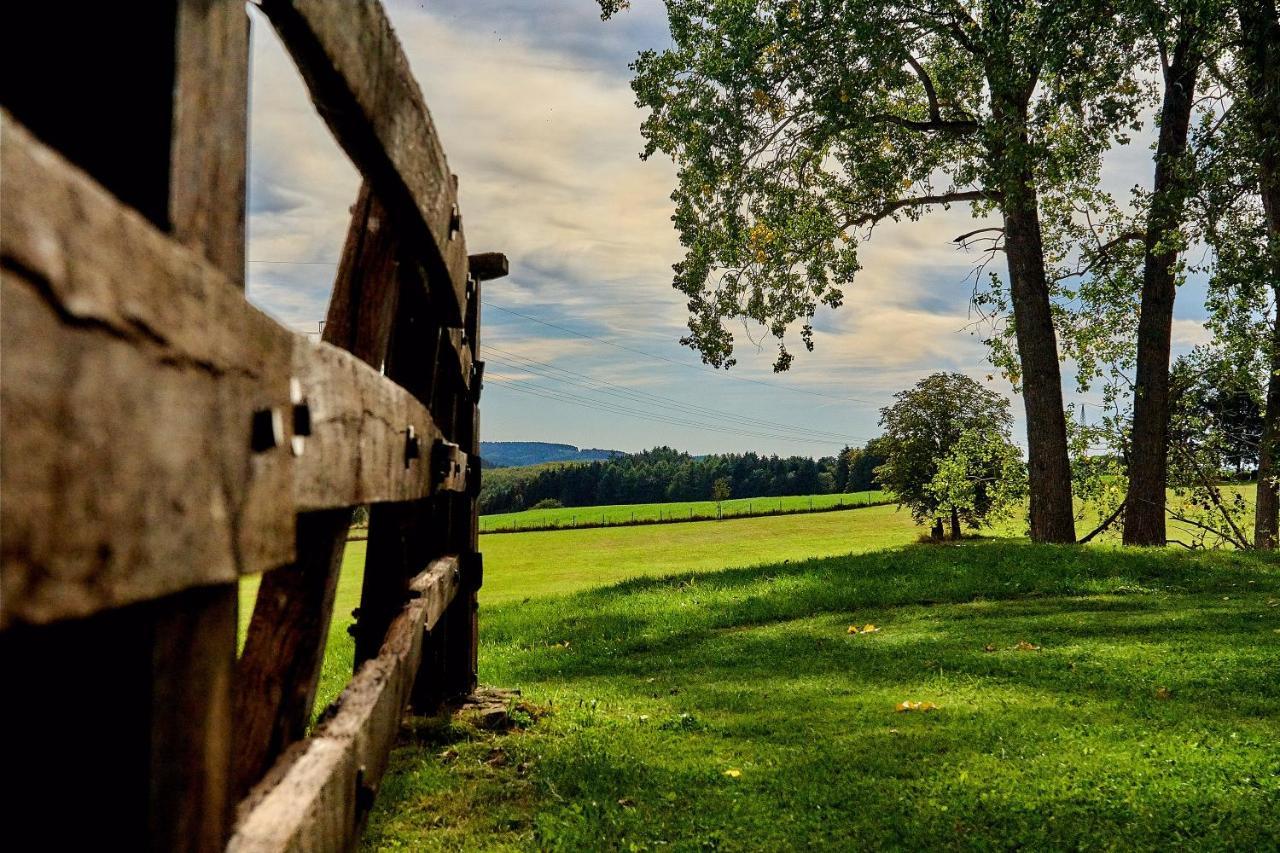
163,438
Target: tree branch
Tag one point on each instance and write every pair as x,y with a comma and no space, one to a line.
939,125
1104,525
963,237
892,207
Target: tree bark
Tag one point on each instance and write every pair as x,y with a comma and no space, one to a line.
1051,516
1010,155
1144,521
1266,510
1260,26
955,525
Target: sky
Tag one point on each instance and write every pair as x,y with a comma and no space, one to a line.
533,104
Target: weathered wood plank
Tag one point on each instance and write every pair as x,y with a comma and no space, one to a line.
360,80
194,647
317,797
370,439
279,670
278,673
209,150
113,336
456,349
486,266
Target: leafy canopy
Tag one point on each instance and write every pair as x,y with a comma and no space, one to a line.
947,446
797,126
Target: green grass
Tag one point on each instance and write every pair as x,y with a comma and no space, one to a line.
519,566
522,565
637,513
657,686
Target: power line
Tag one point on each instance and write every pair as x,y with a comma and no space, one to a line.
612,408
540,368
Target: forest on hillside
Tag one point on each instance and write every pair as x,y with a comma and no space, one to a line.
663,474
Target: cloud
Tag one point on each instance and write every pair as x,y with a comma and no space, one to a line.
533,104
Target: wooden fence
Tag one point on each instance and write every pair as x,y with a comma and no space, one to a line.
161,438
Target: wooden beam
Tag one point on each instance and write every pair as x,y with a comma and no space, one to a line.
318,795
115,336
210,130
487,266
360,80
279,671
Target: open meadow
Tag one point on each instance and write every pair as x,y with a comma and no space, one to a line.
695,686
621,514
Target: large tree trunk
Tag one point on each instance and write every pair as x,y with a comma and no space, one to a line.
955,525
1266,511
1052,518
1260,58
1144,520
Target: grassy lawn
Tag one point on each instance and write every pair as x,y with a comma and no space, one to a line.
731,710
523,565
628,513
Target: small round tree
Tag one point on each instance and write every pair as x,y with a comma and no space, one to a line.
948,452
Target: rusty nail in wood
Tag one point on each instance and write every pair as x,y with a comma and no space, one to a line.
267,431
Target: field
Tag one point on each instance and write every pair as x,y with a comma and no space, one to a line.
537,519
1086,698
694,686
519,566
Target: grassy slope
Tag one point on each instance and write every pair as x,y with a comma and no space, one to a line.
666,683
619,513
521,565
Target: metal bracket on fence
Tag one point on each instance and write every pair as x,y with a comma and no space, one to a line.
448,467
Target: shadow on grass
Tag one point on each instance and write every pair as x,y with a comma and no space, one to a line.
1146,718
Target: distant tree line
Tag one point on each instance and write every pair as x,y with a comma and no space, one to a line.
665,475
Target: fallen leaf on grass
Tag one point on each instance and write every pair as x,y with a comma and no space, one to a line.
733,773
989,648
497,757
448,755
865,629
627,803
916,706
1163,693
1024,646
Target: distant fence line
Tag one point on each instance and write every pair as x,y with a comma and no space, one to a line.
678,518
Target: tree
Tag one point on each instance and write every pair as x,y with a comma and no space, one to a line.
1184,33
1260,110
720,492
797,127
948,451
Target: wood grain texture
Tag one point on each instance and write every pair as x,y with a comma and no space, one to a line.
356,453
115,336
359,78
209,153
279,670
318,795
